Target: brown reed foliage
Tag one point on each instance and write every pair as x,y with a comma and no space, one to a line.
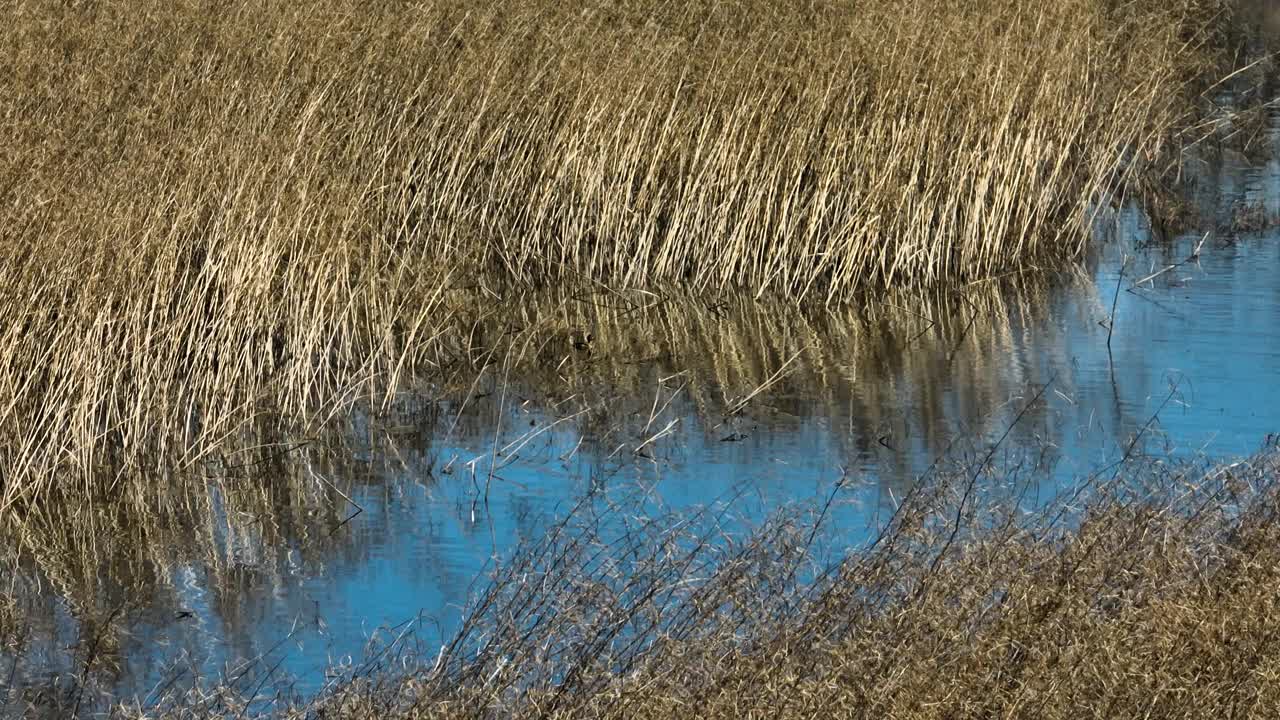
211,210
263,492
645,352
650,361
1147,591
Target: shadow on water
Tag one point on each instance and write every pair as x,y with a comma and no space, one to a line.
287,557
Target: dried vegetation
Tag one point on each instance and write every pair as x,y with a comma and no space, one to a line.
212,210
1145,593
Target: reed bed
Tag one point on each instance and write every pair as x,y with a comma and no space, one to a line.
267,495
648,364
696,358
213,211
1147,591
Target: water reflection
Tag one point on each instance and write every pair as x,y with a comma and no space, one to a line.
286,556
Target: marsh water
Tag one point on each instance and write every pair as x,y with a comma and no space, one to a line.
326,549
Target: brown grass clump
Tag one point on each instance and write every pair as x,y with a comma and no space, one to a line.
1148,593
211,210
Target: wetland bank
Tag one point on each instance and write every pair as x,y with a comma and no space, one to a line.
320,318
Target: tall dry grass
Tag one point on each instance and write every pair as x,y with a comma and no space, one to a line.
1149,591
946,354
238,516
215,210
648,364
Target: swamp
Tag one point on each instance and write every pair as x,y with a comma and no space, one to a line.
633,358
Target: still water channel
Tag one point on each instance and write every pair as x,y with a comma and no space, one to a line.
296,586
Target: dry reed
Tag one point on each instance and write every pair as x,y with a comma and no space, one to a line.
260,487
212,211
1147,592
